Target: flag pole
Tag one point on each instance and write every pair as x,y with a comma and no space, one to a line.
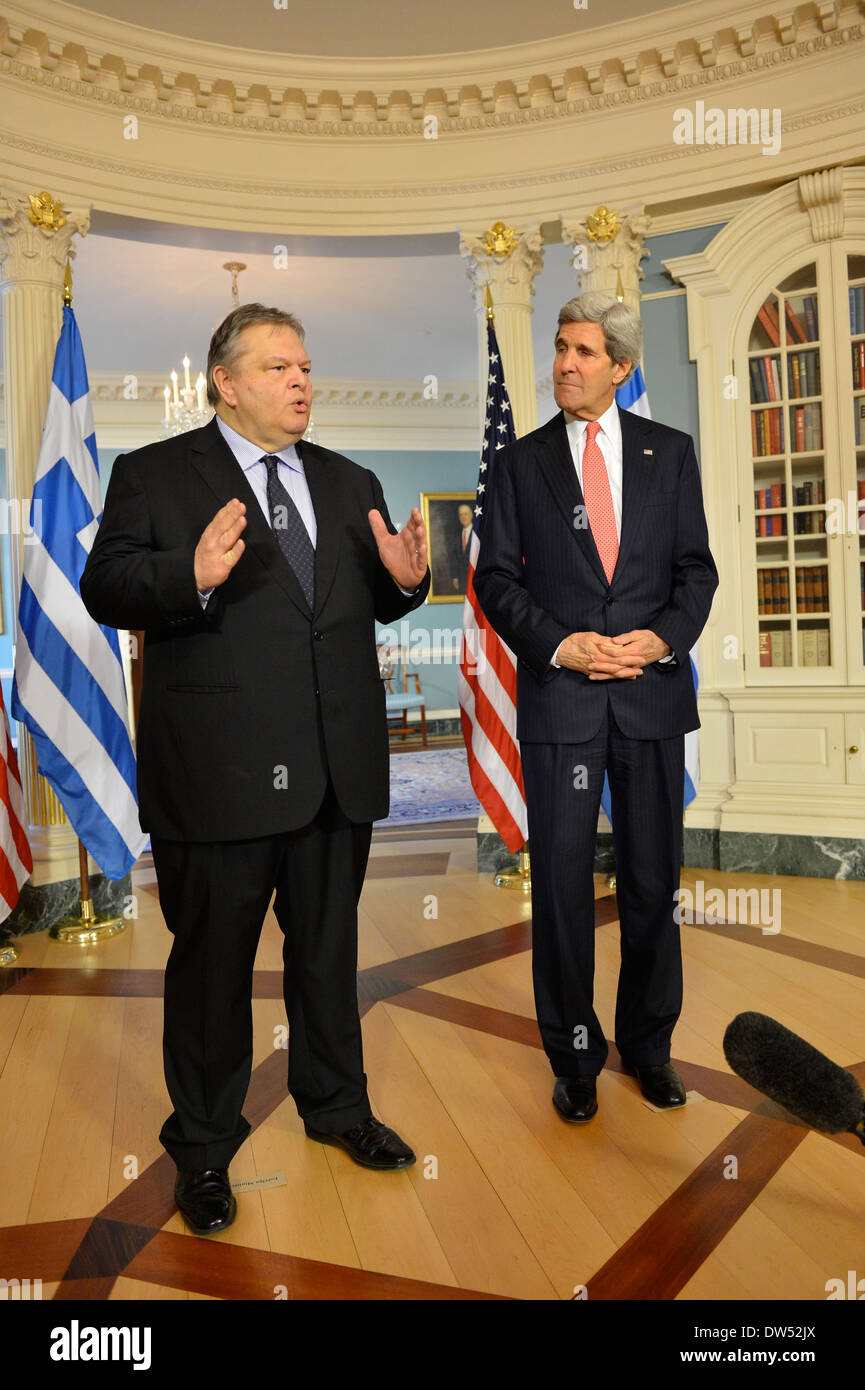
87,927
520,875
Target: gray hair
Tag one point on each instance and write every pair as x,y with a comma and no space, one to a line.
623,331
225,346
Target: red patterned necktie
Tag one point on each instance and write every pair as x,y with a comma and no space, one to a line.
599,500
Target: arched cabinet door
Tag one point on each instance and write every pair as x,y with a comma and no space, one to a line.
805,355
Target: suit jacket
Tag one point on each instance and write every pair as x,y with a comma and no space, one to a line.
539,578
247,705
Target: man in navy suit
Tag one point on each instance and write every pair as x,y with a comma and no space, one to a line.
595,569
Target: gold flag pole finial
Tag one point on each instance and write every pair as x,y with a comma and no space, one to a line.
488,301
67,284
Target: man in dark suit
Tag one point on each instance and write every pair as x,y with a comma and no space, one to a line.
257,566
595,569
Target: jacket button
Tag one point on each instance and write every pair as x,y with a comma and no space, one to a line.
610,602
318,634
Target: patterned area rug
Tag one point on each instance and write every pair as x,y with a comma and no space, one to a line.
432,785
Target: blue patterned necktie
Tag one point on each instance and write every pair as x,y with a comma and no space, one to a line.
291,534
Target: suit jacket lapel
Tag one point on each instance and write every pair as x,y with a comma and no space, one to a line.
557,465
637,477
216,464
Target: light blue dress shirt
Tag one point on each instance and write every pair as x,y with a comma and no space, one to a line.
290,473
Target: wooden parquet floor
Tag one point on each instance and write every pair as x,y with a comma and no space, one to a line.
726,1199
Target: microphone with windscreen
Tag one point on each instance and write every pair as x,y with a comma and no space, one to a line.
794,1074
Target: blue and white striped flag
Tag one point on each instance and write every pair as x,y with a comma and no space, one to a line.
69,689
634,397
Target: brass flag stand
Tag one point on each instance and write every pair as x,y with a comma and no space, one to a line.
88,927
519,877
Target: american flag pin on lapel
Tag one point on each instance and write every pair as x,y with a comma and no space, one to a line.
647,451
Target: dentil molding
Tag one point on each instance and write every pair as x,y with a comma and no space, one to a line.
691,49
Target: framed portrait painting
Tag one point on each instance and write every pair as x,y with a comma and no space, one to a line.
448,520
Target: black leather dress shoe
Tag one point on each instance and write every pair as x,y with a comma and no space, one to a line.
662,1085
369,1143
205,1199
576,1098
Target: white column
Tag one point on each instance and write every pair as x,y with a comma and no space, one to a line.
34,247
508,262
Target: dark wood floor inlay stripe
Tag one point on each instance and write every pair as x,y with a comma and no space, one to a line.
498,1023
44,1248
107,1249
847,962
231,1271
434,863
665,1253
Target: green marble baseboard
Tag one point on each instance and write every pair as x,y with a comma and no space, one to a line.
38,908
802,856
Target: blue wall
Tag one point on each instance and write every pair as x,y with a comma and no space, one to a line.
671,379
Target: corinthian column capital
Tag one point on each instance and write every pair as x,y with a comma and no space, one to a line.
36,236
608,247
506,260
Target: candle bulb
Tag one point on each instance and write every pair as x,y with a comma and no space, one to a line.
167,394
174,384
200,388
186,373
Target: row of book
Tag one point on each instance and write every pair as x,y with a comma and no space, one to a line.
857,308
812,647
803,376
806,428
858,351
804,524
767,433
812,589
802,325
859,421
805,494
767,430
862,589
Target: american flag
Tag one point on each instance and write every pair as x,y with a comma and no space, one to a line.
487,682
16,860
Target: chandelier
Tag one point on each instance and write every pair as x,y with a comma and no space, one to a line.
185,408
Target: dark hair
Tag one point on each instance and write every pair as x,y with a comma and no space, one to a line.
225,348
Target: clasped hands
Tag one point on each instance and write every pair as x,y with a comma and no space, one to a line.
611,658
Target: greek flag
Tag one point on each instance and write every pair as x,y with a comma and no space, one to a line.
633,396
69,689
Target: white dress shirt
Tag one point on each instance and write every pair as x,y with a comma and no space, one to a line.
609,441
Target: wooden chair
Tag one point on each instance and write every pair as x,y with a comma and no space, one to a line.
398,698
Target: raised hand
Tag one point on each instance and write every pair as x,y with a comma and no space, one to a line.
404,555
220,546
